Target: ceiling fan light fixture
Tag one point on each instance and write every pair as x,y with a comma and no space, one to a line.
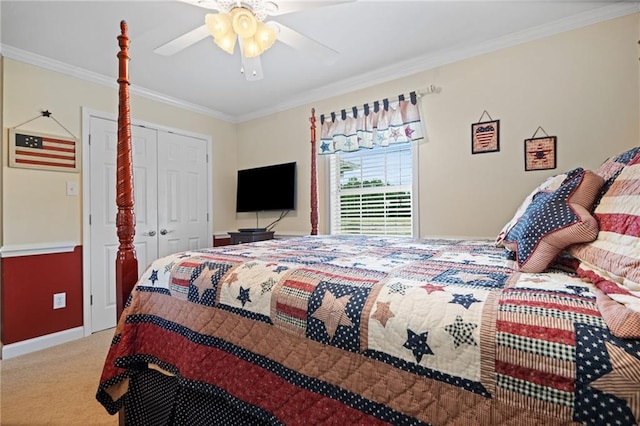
251,48
218,24
226,42
241,23
265,36
244,22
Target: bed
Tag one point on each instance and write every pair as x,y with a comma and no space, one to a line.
540,326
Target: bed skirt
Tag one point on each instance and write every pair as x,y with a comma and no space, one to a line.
157,399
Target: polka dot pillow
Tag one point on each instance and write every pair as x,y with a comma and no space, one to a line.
550,184
554,220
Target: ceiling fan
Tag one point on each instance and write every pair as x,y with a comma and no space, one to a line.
246,22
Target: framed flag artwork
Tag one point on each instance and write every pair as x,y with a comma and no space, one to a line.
540,153
31,150
485,137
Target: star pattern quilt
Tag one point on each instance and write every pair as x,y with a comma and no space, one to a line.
376,330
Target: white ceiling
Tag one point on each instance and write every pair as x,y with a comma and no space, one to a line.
377,41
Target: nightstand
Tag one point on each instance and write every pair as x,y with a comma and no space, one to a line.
250,237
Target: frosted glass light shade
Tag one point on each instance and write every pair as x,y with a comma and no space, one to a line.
265,36
218,24
250,47
227,42
244,22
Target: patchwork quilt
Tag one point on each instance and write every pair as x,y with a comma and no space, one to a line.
375,330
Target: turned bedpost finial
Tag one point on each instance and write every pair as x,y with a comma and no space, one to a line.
314,180
126,262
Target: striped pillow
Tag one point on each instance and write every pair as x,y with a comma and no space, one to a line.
612,261
612,167
553,221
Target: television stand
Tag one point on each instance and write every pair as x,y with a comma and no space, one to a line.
250,237
252,230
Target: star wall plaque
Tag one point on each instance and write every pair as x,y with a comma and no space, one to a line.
540,153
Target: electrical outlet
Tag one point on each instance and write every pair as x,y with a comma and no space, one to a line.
59,300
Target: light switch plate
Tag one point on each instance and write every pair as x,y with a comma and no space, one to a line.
72,188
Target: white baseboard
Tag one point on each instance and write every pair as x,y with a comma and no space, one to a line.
41,342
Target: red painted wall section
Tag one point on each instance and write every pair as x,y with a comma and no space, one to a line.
28,286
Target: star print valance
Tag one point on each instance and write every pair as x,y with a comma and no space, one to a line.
394,122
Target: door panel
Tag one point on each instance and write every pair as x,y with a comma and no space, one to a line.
103,210
182,193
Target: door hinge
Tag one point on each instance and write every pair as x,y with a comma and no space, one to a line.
91,299
89,220
89,138
207,158
207,217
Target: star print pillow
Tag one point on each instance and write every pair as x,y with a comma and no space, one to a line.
550,184
555,220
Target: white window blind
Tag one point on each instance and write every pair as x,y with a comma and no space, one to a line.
371,191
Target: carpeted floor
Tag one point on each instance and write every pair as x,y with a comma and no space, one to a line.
56,386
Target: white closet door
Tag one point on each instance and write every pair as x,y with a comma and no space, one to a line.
103,210
182,193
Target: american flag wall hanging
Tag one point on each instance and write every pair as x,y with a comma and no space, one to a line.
45,152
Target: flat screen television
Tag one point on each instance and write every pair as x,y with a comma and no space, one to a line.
267,188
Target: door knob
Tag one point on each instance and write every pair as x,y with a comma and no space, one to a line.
150,233
165,232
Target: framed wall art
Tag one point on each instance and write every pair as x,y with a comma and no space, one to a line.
485,135
540,153
32,150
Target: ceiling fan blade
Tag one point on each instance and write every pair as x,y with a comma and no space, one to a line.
182,42
251,67
284,7
305,44
206,4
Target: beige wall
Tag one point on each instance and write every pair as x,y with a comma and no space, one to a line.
34,203
581,86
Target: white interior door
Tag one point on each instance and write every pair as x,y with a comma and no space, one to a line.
182,193
103,210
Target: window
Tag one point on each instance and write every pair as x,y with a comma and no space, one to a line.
372,191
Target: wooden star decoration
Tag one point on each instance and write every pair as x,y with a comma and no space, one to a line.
625,374
383,313
331,312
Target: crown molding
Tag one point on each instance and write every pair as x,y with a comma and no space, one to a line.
448,56
362,81
93,77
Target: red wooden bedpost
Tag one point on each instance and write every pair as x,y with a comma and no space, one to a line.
126,261
314,179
